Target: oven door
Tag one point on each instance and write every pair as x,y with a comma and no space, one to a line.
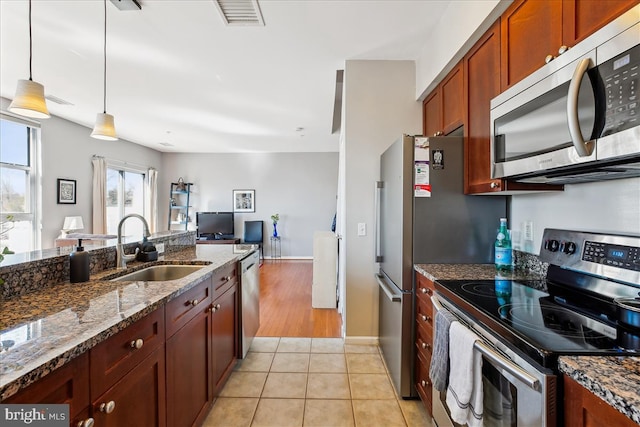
514,392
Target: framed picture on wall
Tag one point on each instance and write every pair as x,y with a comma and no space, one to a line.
244,200
66,191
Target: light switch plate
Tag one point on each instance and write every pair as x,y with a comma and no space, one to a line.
362,229
528,230
160,248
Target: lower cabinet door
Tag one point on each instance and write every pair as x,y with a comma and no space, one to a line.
138,399
189,384
224,315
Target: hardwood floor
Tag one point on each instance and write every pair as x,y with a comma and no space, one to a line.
285,303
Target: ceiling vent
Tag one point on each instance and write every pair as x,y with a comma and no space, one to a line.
127,4
240,12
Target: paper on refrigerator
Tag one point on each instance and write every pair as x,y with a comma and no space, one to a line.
421,186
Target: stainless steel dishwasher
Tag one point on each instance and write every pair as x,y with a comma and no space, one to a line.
249,301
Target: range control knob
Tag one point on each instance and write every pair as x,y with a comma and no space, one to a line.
552,245
569,248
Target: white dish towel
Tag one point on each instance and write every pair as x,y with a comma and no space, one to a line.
464,393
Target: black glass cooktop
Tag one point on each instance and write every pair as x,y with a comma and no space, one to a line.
535,322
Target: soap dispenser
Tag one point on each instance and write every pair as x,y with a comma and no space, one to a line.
79,264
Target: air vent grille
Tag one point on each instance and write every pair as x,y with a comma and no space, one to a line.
240,12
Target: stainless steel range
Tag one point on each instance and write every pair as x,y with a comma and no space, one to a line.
525,326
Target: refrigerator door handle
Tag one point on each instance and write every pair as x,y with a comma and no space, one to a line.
394,297
376,228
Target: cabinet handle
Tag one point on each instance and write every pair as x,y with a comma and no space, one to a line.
137,344
215,308
426,318
192,302
426,345
494,184
108,407
563,49
226,279
549,58
424,383
425,291
86,423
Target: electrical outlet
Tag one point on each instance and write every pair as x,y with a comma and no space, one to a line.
160,248
528,230
362,229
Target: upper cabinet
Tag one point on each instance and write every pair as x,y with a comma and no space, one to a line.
535,31
444,107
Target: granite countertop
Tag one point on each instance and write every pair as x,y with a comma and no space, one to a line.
614,379
471,272
43,330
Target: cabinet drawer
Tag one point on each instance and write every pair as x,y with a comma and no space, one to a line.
186,306
424,340
113,358
224,278
423,383
424,288
424,314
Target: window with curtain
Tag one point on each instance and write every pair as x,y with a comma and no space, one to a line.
125,194
19,178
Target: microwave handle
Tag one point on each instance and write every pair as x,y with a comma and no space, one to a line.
583,148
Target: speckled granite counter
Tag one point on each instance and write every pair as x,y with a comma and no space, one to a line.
471,272
41,331
616,380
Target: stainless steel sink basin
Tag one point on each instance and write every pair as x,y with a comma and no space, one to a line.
160,273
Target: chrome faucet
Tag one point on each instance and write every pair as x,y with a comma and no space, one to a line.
121,257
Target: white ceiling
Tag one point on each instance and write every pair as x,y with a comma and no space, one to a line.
177,74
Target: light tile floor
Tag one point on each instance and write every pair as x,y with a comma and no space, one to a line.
313,382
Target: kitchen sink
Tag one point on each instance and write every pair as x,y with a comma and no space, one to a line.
160,273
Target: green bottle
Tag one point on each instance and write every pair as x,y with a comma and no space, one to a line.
503,248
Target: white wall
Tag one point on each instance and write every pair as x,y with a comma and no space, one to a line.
612,206
301,187
379,105
67,150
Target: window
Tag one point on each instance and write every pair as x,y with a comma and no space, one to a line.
19,178
125,195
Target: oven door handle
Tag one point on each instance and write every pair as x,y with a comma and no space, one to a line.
497,359
502,362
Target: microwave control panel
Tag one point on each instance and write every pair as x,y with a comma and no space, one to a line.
620,76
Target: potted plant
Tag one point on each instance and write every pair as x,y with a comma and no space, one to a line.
275,218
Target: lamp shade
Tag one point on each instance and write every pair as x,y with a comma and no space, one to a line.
72,223
29,100
104,128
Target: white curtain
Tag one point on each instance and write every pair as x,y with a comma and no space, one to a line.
152,200
99,195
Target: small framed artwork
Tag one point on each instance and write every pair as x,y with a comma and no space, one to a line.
66,191
244,200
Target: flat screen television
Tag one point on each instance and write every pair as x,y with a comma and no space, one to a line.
215,225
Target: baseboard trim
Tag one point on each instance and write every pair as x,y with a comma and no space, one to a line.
362,340
268,258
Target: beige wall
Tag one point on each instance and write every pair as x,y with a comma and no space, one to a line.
379,105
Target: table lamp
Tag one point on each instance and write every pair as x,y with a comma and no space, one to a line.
71,223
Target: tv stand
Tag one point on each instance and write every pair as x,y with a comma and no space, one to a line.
227,241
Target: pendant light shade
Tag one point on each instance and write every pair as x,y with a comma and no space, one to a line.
104,128
29,100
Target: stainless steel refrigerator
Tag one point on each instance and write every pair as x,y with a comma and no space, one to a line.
423,216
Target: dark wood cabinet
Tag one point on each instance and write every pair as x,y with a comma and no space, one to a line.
581,18
189,368
224,335
584,409
424,338
138,398
443,108
68,385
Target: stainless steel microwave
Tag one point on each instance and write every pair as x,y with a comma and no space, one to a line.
577,119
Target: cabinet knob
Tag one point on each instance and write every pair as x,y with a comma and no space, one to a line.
425,291
86,423
137,344
426,345
193,302
494,184
108,407
215,308
426,318
226,279
424,383
563,49
549,58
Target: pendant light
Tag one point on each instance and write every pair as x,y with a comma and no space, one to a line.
29,100
105,127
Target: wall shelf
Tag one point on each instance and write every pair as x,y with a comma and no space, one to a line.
179,206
